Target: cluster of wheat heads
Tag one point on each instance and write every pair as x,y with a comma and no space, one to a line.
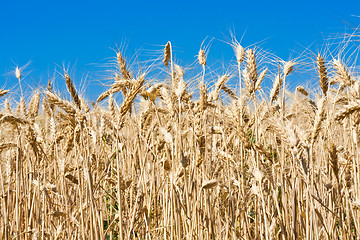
163,164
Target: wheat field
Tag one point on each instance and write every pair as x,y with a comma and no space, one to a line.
184,158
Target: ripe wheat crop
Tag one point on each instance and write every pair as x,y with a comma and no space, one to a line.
185,159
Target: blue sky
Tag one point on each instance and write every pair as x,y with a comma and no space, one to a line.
81,35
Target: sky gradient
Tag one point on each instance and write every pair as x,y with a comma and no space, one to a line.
82,35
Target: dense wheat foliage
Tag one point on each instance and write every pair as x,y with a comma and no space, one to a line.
174,161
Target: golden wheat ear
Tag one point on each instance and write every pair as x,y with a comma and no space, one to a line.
276,88
302,90
72,90
202,57
3,92
323,78
167,53
122,65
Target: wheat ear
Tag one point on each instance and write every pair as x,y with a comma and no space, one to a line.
122,65
7,106
167,53
125,106
251,65
64,104
276,88
72,90
348,109
302,90
3,92
319,118
34,105
324,84
342,73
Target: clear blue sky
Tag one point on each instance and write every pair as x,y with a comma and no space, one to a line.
83,34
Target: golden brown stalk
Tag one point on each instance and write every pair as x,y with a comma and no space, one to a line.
122,65
302,90
322,74
167,53
202,57
72,90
